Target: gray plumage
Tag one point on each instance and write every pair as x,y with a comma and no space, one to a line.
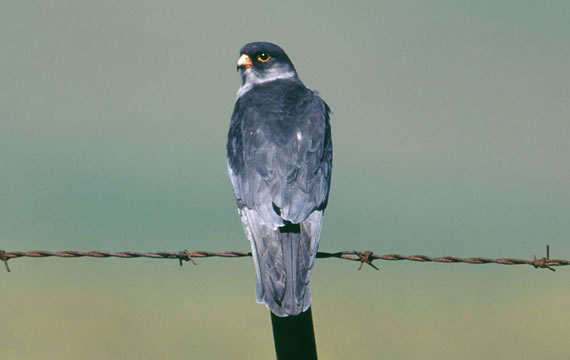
279,161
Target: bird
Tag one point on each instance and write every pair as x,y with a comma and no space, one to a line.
279,157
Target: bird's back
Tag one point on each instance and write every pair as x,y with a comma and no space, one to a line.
280,152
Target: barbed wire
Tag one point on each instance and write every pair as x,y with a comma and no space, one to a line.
364,257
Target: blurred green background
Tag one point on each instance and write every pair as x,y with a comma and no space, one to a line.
451,130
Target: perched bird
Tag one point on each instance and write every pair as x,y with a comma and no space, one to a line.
279,154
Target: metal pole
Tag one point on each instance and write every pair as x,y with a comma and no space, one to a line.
294,336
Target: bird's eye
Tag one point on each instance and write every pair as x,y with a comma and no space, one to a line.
263,57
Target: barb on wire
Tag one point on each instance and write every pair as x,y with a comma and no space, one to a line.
364,257
4,258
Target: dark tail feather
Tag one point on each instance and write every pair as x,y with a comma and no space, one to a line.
290,237
283,260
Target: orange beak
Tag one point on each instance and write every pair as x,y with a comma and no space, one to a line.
244,62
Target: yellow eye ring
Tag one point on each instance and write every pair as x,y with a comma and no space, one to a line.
263,57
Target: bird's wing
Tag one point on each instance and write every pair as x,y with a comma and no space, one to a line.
280,167
280,161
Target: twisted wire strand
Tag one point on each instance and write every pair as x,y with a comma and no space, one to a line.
364,257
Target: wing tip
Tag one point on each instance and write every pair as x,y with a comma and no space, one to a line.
287,309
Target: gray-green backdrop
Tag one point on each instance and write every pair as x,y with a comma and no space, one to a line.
451,135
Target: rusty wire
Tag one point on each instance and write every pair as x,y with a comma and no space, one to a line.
364,257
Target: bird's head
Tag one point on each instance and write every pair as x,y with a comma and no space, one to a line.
260,62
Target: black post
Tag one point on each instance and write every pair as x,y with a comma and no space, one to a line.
294,336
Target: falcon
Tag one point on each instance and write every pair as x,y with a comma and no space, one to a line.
279,155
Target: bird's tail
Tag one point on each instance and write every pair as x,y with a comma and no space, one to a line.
283,258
